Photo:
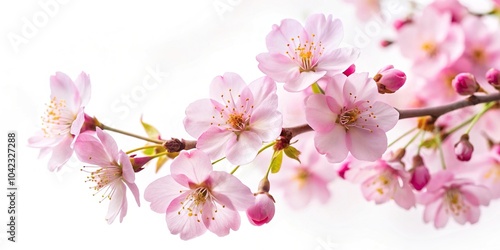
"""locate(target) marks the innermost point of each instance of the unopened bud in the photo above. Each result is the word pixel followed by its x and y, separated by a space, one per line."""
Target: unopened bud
pixel 389 79
pixel 399 23
pixel 465 84
pixel 420 175
pixel 493 78
pixel 350 70
pixel 139 162
pixel 386 43
pixel 464 149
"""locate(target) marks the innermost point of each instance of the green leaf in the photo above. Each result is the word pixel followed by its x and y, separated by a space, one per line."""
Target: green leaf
pixel 276 161
pixel 160 162
pixel 152 132
pixel 292 153
pixel 429 143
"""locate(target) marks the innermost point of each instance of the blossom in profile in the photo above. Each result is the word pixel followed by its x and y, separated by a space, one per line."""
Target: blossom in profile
pixel 63 119
pixel 196 198
pixel 237 118
pixel 431 41
pixel 111 171
pixel 447 196
pixel 348 118
pixel 382 181
pixel 301 55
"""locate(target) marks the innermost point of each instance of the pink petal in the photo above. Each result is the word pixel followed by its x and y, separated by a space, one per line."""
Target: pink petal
pixel 162 192
pixel 428 197
pixel 230 85
pixel 77 124
pixel 318 113
pixel 298 195
pixel 386 117
pixel 127 169
pixel 63 88
pixel 61 154
pixel 179 222
pixel 454 44
pixel 404 196
pixel 213 141
pixel 124 209
pixel 242 149
pixel 262 89
pixel 135 191
pixel 360 86
pixel 277 66
pixel 266 123
pixel 90 150
pixel 200 115
pixel 476 195
pixel 303 80
pixel 366 145
pixel 39 140
pixel 108 143
pixel 431 210
pixel 332 144
pixel 82 83
pixel 329 32
pixel 116 203
pixel 281 35
pixel 320 188
pixel 473 214
pixel 222 221
pixel 191 167
pixel 438 180
pixel 335 86
pixel 441 217
pixel 227 185
pixel 337 61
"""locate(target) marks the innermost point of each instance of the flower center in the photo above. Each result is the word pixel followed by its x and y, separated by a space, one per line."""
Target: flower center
pixel 236 121
pixel 478 55
pixel 58 119
pixel 493 173
pixel 193 204
pixel 348 117
pixel 302 176
pixel 103 178
pixel 430 48
pixel 305 52
pixel 455 202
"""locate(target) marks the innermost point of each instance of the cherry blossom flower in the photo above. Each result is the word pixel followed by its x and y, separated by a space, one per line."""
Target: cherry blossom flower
pixel 447 196
pixel 347 118
pixel 300 55
pixel 236 119
pixel 196 198
pixel 63 118
pixel 457 10
pixel 382 181
pixel 488 167
pixel 432 41
pixel 113 171
pixel 302 183
pixel 483 48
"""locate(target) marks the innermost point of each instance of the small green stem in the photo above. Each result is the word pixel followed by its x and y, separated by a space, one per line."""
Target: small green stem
pixel 217 161
pixel 421 143
pixel 437 138
pixel 412 139
pixel 105 127
pixel 234 170
pixel 401 137
pixel 141 148
pixel 479 115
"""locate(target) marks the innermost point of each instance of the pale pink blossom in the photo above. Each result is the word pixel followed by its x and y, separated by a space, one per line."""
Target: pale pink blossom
pixel 300 55
pixel 262 211
pixel 488 167
pixel 382 181
pixel 447 196
pixel 365 9
pixel 431 41
pixel 307 181
pixel 457 10
pixel 63 119
pixel 237 118
pixel 196 198
pixel 113 171
pixel 482 46
pixel 348 118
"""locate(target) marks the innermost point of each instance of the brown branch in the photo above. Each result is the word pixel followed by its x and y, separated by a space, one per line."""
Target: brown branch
pixel 441 110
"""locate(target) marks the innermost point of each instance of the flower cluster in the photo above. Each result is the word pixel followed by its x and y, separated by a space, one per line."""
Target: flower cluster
pixel 447 162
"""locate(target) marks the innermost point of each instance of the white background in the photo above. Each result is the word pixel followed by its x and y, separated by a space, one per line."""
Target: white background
pixel 186 43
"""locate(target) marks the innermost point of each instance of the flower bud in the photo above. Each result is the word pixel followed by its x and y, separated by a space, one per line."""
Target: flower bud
pixel 344 167
pixel 262 211
pixel 493 78
pixel 350 70
pixel 463 148
pixel 139 162
pixel 420 175
pixel 399 23
pixel 389 79
pixel 386 43
pixel 465 84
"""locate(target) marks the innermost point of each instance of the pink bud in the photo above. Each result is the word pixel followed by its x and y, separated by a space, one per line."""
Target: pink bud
pixel 420 175
pixel 343 169
pixel 493 77
pixel 262 211
pixel 89 123
pixel 385 43
pixel 465 84
pixel 464 149
pixel 398 24
pixel 350 70
pixel 139 162
pixel 389 79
